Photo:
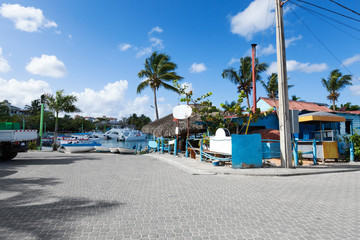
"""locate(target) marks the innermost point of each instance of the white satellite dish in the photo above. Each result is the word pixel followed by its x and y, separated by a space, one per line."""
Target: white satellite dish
pixel 182 111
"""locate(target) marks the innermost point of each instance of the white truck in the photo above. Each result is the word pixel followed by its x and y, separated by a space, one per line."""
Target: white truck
pixel 14 141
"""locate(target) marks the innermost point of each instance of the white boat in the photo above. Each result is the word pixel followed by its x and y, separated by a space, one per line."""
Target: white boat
pixel 114 133
pixel 126 150
pixel 114 150
pixel 102 149
pixel 125 134
pixel 79 147
pixel 132 135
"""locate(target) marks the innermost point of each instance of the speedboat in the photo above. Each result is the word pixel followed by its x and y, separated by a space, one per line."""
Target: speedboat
pixel 132 135
pixel 114 133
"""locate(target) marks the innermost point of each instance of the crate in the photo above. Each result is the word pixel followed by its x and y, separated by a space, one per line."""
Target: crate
pixel 5 125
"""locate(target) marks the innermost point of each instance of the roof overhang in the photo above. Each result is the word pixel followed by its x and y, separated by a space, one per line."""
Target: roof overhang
pixel 321 119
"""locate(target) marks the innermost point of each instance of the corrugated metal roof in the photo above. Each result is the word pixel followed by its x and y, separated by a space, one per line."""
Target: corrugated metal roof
pixel 299 105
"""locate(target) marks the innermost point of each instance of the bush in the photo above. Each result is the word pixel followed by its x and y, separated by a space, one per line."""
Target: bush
pixel 32 145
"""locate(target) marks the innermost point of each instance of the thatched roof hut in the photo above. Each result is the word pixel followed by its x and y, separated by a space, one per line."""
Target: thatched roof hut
pixel 165 127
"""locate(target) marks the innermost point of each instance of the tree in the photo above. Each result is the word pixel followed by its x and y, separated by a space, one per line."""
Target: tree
pixel 294 98
pixel 58 104
pixel 335 82
pixel 34 108
pixel 348 107
pixel 272 86
pixel 4 112
pixel 243 77
pixel 158 70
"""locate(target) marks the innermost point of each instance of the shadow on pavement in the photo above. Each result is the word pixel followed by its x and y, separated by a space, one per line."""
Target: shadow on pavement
pixel 26 210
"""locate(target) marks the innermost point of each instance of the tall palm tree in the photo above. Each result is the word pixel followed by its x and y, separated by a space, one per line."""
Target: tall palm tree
pixel 158 70
pixel 60 103
pixel 243 77
pixel 272 86
pixel 335 82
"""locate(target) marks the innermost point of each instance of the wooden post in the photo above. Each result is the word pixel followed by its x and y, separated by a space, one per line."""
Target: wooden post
pixel 284 116
pixel 253 46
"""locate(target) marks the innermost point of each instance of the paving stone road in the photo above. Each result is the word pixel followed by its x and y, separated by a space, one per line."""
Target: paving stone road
pixel 107 196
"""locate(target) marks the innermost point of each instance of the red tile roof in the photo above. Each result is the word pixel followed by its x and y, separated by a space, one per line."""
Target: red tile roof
pixel 351 112
pixel 298 105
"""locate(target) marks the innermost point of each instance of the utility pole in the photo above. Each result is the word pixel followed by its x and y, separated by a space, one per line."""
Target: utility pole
pixel 284 116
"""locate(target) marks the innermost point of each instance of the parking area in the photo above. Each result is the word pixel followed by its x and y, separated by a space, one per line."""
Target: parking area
pixel 51 195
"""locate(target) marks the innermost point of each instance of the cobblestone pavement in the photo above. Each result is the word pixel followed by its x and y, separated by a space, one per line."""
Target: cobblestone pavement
pixel 106 196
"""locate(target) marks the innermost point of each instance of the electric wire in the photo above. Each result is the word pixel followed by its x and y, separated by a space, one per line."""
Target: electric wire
pixel 315 13
pixel 340 14
pixel 317 38
pixel 267 13
pixel 345 7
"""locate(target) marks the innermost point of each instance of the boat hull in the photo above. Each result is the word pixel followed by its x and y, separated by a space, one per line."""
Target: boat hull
pixel 75 148
pixel 126 150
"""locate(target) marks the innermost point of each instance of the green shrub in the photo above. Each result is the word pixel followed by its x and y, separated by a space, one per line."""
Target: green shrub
pixel 32 145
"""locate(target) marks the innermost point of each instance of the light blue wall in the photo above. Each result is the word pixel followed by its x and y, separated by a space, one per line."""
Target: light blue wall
pixel 355 122
pixel 263 105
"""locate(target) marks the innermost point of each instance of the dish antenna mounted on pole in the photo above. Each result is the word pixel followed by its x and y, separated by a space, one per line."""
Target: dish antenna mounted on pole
pixel 284 116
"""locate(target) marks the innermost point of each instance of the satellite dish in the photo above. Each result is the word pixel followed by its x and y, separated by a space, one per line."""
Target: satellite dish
pixel 182 111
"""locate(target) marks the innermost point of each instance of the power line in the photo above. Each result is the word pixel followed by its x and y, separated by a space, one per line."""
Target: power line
pixel 332 54
pixel 315 13
pixel 358 20
pixel 345 7
pixel 267 13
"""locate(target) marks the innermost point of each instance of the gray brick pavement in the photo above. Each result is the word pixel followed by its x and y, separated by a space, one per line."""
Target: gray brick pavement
pixel 106 196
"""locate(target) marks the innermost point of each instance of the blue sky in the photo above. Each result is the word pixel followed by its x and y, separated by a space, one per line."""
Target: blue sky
pixel 94 49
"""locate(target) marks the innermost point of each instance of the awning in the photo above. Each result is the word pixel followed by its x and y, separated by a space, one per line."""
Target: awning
pixel 320 117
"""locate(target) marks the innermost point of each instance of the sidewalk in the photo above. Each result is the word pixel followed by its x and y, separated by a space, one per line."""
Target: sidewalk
pixel 196 167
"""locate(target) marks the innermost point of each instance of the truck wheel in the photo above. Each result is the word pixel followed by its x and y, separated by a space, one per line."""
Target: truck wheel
pixel 7 156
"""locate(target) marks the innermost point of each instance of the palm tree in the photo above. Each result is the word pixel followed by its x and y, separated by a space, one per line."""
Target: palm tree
pixel 158 70
pixel 294 98
pixel 60 103
pixel 243 77
pixel 335 82
pixel 272 86
pixel 34 108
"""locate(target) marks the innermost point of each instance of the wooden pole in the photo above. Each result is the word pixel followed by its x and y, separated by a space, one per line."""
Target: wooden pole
pixel 284 123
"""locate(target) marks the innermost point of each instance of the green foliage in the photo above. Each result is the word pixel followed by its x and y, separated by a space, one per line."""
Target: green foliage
pixel 4 112
pixel 32 146
pixel 348 107
pixel 34 108
pixel 334 83
pixel 137 122
pixel 355 138
pixel 243 77
pixel 158 71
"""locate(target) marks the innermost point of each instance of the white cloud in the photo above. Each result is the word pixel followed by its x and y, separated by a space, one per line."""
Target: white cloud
pixel 156 29
pixel 351 60
pixel 107 101
pixel 252 19
pixel 290 41
pixel 156 42
pixel 124 46
pixel 293 65
pixel 161 99
pixel 21 93
pixel 4 65
pixel 267 51
pixel 355 89
pixel 46 65
pixel 197 68
pixel 233 60
pixel 143 51
pixel 27 19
